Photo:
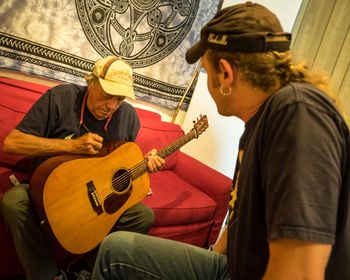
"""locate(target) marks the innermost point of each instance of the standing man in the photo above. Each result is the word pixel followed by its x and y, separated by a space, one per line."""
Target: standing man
pixel 289 210
pixel 72 119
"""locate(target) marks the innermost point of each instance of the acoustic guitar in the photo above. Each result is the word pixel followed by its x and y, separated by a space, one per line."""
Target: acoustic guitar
pixel 78 199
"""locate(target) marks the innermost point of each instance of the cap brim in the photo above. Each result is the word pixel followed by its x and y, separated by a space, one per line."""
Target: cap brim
pixel 195 52
pixel 119 89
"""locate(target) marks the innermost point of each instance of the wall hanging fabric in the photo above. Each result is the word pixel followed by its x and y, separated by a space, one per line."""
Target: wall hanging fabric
pixel 62 39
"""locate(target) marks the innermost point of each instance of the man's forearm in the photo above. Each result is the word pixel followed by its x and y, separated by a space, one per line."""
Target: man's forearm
pixel 30 145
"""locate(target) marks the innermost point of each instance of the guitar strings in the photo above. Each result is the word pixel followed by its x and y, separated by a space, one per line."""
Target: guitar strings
pixel 138 169
pixel 130 174
pixel 123 180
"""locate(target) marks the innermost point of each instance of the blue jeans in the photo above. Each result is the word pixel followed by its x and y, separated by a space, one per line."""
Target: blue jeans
pixel 31 244
pixel 126 255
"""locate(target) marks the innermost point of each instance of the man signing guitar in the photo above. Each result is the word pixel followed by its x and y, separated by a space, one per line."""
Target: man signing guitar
pixel 72 119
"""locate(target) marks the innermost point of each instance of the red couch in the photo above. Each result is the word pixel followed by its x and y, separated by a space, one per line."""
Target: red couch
pixel 189 198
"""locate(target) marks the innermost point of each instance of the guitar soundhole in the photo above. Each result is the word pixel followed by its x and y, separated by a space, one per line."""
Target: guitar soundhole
pixel 121 180
pixel 121 183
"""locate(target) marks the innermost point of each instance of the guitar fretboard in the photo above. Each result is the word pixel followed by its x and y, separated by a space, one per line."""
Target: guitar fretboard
pixel 140 168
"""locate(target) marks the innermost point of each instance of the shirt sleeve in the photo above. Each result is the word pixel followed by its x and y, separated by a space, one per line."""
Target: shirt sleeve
pixel 135 126
pixel 36 121
pixel 301 174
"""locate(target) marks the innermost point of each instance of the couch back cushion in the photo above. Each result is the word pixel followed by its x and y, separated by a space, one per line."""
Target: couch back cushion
pixel 157 134
pixel 145 114
pixel 16 98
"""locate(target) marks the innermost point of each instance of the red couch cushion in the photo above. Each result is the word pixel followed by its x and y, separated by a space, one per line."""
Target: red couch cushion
pixel 9 119
pixel 12 110
pixel 23 94
pixel 32 87
pixel 145 115
pixel 156 134
pixel 178 206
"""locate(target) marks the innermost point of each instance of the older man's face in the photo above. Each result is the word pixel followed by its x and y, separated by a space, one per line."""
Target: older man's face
pixel 100 104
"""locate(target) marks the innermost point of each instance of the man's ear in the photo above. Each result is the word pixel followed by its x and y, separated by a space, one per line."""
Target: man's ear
pixel 227 72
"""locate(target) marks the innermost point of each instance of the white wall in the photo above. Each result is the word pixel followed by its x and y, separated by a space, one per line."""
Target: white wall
pixel 218 146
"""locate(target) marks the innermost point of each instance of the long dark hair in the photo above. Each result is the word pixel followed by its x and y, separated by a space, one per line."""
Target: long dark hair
pixel 270 69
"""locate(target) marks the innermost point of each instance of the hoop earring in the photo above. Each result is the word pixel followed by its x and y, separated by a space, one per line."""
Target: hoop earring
pixel 225 90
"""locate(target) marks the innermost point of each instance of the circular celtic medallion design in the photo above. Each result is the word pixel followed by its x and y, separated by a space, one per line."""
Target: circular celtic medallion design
pixel 141 31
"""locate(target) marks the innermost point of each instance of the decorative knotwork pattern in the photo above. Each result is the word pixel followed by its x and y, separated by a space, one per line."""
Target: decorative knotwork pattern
pixel 141 31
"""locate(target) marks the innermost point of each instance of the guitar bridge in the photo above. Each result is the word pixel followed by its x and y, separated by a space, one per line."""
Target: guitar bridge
pixel 94 200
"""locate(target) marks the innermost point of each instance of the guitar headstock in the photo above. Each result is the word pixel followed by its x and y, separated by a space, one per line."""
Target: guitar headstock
pixel 200 125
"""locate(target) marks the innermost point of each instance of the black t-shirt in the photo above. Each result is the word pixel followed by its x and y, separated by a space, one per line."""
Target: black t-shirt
pixel 57 115
pixel 292 181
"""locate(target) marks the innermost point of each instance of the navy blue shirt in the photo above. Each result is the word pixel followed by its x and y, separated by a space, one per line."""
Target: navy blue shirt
pixel 57 115
pixel 293 181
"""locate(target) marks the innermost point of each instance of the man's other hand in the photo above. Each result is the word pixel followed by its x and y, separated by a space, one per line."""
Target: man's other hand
pixel 155 162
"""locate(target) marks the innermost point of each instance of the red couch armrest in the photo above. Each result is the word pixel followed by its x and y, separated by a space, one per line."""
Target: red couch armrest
pixel 205 178
pixel 210 181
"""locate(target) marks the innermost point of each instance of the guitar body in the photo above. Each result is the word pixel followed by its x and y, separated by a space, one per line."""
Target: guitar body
pixel 78 199
pixel 81 198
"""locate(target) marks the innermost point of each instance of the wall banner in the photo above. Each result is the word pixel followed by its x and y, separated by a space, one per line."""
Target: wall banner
pixel 61 40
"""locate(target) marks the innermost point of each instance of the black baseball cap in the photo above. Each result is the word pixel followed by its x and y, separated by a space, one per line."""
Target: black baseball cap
pixel 247 28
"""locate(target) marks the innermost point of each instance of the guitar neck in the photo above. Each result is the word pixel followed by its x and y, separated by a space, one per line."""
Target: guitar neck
pixel 168 150
pixel 141 167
